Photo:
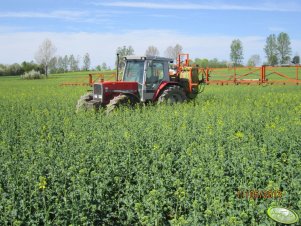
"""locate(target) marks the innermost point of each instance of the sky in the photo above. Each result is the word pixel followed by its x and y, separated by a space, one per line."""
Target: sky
pixel 205 29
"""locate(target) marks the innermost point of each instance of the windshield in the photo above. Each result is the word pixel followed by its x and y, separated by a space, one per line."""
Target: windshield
pixel 134 71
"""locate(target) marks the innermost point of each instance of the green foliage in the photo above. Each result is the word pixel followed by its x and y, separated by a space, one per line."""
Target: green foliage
pixel 278 49
pixel 86 62
pixel 296 59
pixel 17 69
pixel 213 63
pixel 236 54
pixel 270 50
pixel 254 60
pixel 155 165
pixel 284 48
pixel 29 66
pixel 13 69
pixel 102 67
pixel 123 51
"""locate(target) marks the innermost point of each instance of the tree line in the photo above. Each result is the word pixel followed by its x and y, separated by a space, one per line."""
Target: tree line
pixel 277 50
pixel 57 64
pixel 19 69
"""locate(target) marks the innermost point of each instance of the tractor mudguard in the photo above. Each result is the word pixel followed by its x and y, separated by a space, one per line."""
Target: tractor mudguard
pixel 162 87
pixel 132 96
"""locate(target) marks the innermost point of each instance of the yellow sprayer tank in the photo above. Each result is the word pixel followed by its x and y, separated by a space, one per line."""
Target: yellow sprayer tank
pixel 189 78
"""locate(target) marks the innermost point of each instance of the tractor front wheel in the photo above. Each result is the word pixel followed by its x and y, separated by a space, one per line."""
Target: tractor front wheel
pixel 172 94
pixel 121 100
pixel 82 103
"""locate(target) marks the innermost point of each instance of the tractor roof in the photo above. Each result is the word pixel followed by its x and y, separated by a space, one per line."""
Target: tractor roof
pixel 132 57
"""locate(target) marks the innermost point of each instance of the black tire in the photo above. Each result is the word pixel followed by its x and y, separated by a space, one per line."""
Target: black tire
pixel 121 100
pixel 172 94
pixel 82 102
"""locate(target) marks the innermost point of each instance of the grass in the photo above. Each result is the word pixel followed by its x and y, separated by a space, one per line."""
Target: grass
pixel 155 165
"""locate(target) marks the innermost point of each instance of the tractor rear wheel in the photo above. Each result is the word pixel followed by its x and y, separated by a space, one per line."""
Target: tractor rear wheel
pixel 172 94
pixel 121 100
pixel 82 103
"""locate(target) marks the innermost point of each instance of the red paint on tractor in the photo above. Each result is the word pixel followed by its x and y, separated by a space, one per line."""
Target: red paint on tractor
pixel 161 87
pixel 112 89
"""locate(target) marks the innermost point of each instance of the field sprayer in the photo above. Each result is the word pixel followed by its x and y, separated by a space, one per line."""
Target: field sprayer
pixel 146 79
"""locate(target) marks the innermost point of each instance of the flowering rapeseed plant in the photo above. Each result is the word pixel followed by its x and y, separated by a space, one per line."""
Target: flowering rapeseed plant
pixel 42 183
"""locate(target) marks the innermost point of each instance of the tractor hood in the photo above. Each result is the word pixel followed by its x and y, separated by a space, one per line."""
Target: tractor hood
pixel 120 86
pixel 106 91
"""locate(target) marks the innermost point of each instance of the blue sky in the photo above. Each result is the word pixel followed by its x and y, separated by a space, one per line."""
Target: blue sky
pixel 205 29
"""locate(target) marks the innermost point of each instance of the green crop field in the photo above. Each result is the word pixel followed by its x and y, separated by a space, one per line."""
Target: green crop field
pixel 222 159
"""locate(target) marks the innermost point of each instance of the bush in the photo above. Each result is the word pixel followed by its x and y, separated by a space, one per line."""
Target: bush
pixel 32 75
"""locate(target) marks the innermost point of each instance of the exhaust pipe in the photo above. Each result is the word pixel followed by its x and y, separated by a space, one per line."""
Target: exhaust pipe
pixel 117 71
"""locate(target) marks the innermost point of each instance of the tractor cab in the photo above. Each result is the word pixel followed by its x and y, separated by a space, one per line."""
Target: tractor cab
pixel 148 72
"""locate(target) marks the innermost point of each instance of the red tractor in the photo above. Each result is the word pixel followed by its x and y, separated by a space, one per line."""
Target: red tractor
pixel 145 79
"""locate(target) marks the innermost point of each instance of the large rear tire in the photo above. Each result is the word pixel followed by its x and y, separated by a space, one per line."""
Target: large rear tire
pixel 82 103
pixel 172 95
pixel 121 100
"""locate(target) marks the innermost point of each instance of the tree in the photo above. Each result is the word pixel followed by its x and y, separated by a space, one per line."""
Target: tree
pixel 53 65
pixel 202 62
pixel 123 51
pixel 236 54
pixel 74 63
pixel 271 50
pixel 283 47
pixel 14 69
pixel 2 69
pixel 78 63
pixel 45 53
pixel 254 60
pixel 169 52
pixel 215 63
pixel 173 52
pixel 87 62
pixel 98 68
pixel 65 63
pixel 152 51
pixel 104 66
pixel 29 66
pixel 60 64
pixel 296 59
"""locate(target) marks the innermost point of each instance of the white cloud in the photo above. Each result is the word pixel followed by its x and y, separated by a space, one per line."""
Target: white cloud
pixel 200 6
pixel 58 14
pixel 95 17
pixel 17 47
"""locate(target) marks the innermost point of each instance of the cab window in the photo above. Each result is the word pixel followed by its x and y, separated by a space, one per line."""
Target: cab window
pixel 155 74
pixel 134 71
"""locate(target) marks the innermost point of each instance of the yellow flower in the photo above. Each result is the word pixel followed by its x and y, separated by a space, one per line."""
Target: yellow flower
pixel 42 183
pixel 239 134
pixel 156 147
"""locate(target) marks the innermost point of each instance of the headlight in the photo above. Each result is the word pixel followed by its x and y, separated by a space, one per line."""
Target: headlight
pixel 96 96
